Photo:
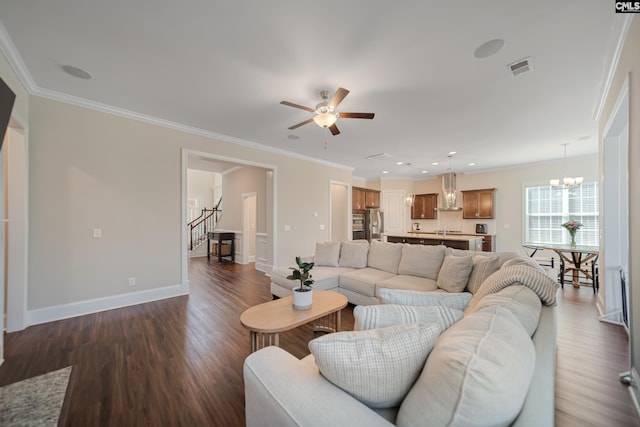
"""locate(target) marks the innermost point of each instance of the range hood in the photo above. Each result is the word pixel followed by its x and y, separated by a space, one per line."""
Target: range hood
pixel 449 193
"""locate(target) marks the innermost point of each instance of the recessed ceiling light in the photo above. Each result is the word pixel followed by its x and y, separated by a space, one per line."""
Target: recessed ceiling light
pixel 385 171
pixel 398 163
pixel 425 172
pixel 434 164
pixel 472 164
pixel 451 153
pixel 77 72
pixel 292 136
pixel 489 48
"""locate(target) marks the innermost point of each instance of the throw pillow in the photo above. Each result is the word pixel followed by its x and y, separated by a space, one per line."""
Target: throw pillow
pixel 383 315
pixel 327 254
pixel 424 299
pixel 483 267
pixel 478 374
pixel 379 366
pixel 385 256
pixel 454 273
pixel 421 260
pixel 354 254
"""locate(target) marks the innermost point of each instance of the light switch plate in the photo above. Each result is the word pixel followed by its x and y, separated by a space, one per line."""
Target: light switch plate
pixel 97 233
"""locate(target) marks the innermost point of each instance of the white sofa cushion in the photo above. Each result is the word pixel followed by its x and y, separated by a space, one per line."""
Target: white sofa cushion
pixel 324 278
pixel 421 260
pixel 327 254
pixel 412 283
pixel 454 273
pixel 383 315
pixel 483 267
pixel 457 301
pixel 384 256
pixel 364 281
pixel 477 374
pixel 379 366
pixel 354 254
pixel 504 256
pixel 520 300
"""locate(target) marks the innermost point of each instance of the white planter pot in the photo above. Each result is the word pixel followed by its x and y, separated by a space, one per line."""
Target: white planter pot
pixel 302 299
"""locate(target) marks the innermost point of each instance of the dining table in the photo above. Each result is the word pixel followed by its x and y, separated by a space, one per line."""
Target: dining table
pixel 573 259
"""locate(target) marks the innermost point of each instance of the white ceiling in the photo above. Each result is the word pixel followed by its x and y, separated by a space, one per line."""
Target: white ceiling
pixel 223 67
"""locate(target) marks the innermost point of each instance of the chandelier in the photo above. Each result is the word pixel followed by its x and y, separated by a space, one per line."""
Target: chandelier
pixel 567 181
pixel 450 191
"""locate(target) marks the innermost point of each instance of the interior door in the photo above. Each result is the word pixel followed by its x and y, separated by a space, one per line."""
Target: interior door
pixel 395 211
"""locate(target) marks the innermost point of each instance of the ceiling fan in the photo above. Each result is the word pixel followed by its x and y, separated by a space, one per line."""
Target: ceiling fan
pixel 326 114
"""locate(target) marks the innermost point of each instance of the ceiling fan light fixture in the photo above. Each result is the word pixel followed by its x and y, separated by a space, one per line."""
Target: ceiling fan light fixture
pixel 325 120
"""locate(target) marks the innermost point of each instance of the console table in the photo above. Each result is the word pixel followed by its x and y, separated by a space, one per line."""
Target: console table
pixel 222 238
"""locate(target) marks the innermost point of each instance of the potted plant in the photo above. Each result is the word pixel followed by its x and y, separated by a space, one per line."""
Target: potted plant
pixel 302 296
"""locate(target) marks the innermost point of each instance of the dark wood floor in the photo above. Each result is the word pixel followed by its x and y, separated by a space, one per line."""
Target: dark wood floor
pixel 179 361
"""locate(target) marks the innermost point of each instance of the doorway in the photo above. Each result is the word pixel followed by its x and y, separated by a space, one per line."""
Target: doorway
pixel 268 237
pixel 249 218
pixel 615 215
pixel 340 211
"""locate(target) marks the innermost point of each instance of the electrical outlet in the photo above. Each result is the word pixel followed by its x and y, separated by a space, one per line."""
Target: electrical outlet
pixel 132 281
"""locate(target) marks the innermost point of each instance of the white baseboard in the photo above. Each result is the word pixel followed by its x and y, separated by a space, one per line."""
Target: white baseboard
pixel 263 266
pixel 80 308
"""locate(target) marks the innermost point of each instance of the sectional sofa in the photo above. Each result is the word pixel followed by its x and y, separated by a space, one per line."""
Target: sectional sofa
pixel 358 269
pixel 483 355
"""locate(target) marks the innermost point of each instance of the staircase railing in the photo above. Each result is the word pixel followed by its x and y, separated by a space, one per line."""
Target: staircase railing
pixel 200 226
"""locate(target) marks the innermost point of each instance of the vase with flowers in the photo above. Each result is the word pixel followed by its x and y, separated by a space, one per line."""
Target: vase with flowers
pixel 572 227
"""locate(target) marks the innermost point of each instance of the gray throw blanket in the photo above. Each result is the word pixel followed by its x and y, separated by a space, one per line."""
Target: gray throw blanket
pixel 519 274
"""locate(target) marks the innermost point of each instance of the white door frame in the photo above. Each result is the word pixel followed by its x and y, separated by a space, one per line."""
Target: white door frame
pixel 247 234
pixel 17 244
pixel 614 210
pixel 184 253
pixel 347 212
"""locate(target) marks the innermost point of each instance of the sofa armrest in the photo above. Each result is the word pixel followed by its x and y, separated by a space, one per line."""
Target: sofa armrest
pixel 280 390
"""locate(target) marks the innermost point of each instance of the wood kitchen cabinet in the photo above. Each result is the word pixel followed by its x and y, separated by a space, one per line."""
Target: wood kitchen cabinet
pixel 372 199
pixel 363 198
pixel 357 199
pixel 478 204
pixel 424 206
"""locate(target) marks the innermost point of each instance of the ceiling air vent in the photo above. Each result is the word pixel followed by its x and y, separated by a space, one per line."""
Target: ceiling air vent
pixel 521 66
pixel 379 156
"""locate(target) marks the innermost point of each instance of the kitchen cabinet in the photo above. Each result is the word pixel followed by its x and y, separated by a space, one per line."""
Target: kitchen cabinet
pixel 424 206
pixel 357 199
pixel 372 199
pixel 478 204
pixel 363 198
pixel 488 243
pixel 473 243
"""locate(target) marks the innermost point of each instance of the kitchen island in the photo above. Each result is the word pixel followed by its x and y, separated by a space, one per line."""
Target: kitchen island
pixel 456 241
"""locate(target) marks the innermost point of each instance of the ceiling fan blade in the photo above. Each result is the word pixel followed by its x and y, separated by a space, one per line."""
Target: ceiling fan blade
pixel 301 124
pixel 338 97
pixel 334 129
pixel 302 107
pixel 356 115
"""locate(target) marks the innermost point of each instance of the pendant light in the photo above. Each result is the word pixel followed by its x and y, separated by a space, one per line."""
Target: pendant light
pixel 567 181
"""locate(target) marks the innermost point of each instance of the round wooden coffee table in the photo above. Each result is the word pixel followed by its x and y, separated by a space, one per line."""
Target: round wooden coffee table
pixel 266 321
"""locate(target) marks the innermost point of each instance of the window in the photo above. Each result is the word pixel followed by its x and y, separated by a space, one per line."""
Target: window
pixel 547 208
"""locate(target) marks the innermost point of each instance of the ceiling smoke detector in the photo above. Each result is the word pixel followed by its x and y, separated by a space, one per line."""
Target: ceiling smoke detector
pixel 520 67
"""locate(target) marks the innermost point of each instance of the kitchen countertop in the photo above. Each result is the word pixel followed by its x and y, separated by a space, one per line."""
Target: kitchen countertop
pixel 452 234
pixel 452 237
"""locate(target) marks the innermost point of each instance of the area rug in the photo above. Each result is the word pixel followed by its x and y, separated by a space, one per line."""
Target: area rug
pixel 35 401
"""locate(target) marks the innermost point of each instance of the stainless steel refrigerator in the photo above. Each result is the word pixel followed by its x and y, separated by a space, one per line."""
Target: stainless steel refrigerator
pixel 373 224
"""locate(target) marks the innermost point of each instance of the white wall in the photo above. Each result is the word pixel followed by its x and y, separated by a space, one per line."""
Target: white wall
pixel 94 170
pixel 200 187
pixel 245 179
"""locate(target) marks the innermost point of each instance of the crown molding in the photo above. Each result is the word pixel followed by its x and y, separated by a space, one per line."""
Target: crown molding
pixel 618 36
pixel 17 64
